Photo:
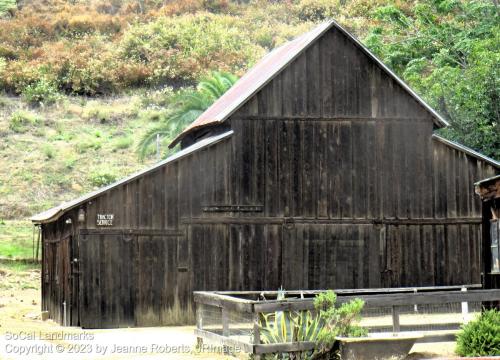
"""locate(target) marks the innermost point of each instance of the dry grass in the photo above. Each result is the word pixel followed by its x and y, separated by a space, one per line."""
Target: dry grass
pixel 52 162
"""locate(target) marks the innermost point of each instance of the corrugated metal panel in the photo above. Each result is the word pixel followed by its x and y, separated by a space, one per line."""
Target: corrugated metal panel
pixel 54 213
pixel 266 69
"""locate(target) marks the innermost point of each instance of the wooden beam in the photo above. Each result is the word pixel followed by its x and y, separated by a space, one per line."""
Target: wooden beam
pixel 284 347
pixel 352 291
pixel 223 301
pixel 379 300
pixel 346 221
pixel 489 190
pixel 306 117
pixel 233 343
pixel 143 232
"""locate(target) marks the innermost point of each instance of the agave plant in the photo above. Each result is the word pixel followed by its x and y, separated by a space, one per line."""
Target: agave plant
pixel 186 107
pixel 290 326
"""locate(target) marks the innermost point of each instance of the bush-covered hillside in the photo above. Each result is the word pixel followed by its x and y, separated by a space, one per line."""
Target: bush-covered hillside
pixel 81 80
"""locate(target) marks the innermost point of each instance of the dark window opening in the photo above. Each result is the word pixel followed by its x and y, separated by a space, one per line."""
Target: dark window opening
pixel 495 250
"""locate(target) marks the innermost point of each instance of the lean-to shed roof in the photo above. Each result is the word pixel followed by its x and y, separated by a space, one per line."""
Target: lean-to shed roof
pixel 270 66
pixel 54 213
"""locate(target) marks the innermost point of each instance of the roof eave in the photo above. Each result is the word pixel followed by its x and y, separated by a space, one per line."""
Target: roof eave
pixel 467 150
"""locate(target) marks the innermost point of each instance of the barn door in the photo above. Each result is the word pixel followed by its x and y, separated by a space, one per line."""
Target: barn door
pixel 64 278
pixel 106 292
pixel 329 256
pixel 130 279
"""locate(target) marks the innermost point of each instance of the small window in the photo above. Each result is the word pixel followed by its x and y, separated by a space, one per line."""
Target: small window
pixel 495 250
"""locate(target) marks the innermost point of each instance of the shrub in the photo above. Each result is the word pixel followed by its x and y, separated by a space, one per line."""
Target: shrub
pixel 480 337
pixel 70 162
pixel 42 92
pixel 87 22
pixel 123 143
pixel 99 113
pixel 317 10
pixel 49 151
pixel 87 143
pixel 21 120
pixel 187 47
pixel 6 6
pixel 101 178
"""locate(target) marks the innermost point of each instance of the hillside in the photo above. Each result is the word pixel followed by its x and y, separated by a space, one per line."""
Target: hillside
pixel 81 81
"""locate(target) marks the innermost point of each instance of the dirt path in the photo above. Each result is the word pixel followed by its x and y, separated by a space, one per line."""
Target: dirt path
pixel 23 335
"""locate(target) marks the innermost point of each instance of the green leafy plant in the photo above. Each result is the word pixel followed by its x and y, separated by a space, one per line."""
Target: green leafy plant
pixel 187 106
pixel 21 120
pixel 480 337
pixel 286 326
pixel 49 151
pixel 7 5
pixel 123 143
pixel 448 52
pixel 317 10
pixel 43 92
pixel 101 178
pixel 338 320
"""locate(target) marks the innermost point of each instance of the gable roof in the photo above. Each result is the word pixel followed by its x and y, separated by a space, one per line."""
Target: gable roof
pixel 54 213
pixel 270 66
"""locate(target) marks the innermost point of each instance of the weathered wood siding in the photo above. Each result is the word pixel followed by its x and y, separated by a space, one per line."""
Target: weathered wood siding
pixel 56 273
pixel 332 179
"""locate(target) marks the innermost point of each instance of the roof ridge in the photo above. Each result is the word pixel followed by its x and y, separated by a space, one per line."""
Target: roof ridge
pixel 271 65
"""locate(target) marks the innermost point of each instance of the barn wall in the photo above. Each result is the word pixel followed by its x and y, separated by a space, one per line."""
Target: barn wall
pixel 57 252
pixel 333 78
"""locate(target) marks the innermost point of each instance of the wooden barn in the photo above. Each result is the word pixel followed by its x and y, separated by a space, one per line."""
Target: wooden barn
pixel 489 191
pixel 318 169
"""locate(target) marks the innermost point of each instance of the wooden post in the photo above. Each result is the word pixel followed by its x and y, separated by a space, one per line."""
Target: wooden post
pixel 225 322
pixel 395 319
pixel 256 334
pixel 39 235
pixel 465 309
pixel 199 324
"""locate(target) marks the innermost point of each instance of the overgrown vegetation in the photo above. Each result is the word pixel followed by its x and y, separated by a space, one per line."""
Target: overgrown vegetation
pixel 16 240
pixel 321 326
pixel 480 337
pixel 449 51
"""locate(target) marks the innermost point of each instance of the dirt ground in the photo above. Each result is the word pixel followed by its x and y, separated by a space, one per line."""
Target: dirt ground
pixel 23 335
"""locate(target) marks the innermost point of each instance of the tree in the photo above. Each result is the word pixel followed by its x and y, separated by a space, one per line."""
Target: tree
pixel 186 107
pixel 448 51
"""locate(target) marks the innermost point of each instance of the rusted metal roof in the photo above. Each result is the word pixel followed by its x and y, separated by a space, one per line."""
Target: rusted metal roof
pixel 270 66
pixel 54 213
pixel 467 150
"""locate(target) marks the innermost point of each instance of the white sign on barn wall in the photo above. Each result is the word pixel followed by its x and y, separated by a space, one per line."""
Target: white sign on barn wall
pixel 105 219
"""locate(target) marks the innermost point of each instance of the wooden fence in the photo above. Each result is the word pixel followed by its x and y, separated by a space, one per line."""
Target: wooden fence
pixel 249 304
